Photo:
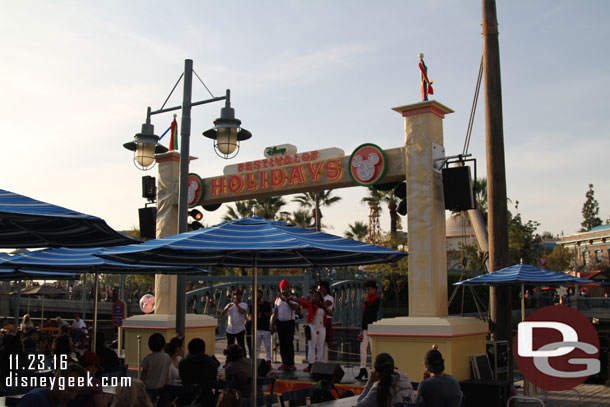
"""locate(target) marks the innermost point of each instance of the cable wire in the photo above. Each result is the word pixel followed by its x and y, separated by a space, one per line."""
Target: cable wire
pixel 173 89
pixel 206 88
pixel 473 109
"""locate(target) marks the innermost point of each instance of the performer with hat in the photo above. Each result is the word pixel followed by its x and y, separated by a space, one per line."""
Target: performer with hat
pixel 236 325
pixel 283 318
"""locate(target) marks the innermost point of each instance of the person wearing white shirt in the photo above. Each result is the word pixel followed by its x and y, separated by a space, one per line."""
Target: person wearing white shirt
pixel 283 321
pixel 236 325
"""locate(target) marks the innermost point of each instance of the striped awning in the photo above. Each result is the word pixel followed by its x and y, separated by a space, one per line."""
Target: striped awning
pixel 28 223
pixel 84 261
pixel 240 242
pixel 523 274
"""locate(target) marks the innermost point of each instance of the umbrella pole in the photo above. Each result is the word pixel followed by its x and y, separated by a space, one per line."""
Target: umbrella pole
pixel 42 314
pixel 17 307
pixel 254 356
pixel 44 282
pixel 95 312
pixel 522 302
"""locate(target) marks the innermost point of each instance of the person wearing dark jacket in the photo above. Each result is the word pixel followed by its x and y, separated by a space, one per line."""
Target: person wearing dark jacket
pixel 198 373
pixel 369 315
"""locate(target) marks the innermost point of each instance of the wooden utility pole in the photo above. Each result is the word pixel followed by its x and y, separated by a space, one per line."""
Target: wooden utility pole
pixel 500 305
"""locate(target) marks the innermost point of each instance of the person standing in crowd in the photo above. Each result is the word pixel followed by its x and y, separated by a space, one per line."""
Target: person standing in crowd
pixel 197 369
pixel 385 387
pixel 236 324
pixel 329 302
pixel 155 366
pixel 263 329
pixel 316 313
pixel 438 388
pixel 283 318
pixel 369 315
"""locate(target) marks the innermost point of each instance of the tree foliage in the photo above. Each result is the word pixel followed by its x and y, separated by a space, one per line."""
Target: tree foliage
pixel 316 200
pixel 590 211
pixel 302 219
pixel 559 259
pixel 357 231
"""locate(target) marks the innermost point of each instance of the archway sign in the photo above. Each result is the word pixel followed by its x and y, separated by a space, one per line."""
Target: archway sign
pixel 284 171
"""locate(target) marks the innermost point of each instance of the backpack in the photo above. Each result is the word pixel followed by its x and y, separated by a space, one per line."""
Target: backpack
pixel 322 391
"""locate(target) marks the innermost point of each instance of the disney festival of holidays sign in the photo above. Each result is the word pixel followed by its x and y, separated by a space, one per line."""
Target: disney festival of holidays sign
pixel 285 171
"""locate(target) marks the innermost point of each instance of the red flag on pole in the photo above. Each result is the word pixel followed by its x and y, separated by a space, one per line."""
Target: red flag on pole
pixel 173 141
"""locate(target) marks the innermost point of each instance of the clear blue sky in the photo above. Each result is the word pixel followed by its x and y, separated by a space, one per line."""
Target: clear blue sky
pixel 76 78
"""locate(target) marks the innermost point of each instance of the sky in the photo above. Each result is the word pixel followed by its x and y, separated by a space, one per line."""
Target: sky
pixel 76 79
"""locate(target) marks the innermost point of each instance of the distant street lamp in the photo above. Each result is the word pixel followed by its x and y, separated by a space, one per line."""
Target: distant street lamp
pixel 227 134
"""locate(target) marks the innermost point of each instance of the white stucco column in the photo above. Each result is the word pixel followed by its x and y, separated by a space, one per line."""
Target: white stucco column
pixel 425 209
pixel 167 225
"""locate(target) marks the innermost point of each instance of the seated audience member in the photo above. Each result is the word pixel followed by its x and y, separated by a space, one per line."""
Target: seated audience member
pixel 440 389
pixel 90 396
pixel 62 345
pixel 58 395
pixel 155 366
pixel 385 387
pixel 26 323
pixel 175 349
pixel 30 342
pixel 79 328
pixel 198 372
pixel 132 396
pixel 238 372
pixel 230 398
pixel 108 358
pixel 173 389
pixel 12 350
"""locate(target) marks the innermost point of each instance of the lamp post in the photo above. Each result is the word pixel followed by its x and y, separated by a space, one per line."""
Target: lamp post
pixel 227 134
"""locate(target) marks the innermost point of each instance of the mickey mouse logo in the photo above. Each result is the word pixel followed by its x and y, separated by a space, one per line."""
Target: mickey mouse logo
pixel 365 169
pixel 195 190
pixel 367 164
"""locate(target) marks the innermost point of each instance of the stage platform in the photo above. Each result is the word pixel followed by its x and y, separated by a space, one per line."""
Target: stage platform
pixel 298 379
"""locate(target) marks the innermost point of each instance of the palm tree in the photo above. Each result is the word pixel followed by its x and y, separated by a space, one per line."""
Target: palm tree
pixel 303 219
pixel 480 195
pixel 242 209
pixel 357 231
pixel 316 200
pixel 375 198
pixel 270 208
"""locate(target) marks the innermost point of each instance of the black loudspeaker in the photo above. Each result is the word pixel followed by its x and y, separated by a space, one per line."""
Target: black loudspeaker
pixel 149 188
pixel 327 371
pixel 148 222
pixel 485 393
pixel 262 367
pixel 457 188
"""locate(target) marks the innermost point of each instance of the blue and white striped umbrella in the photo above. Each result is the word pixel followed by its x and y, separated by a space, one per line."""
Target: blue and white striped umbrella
pixel 239 243
pixel 523 274
pixel 253 242
pixel 28 223
pixel 83 261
